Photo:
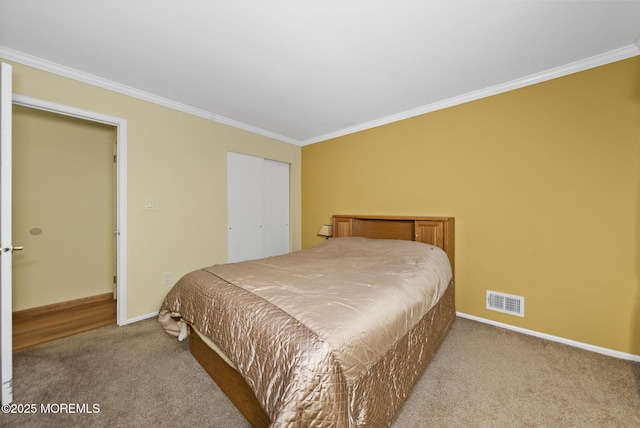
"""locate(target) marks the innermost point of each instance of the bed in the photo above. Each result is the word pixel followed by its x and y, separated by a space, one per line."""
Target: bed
pixel 332 335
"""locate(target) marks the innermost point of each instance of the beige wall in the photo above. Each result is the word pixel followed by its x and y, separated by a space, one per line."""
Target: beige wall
pixel 63 185
pixel 179 161
pixel 544 183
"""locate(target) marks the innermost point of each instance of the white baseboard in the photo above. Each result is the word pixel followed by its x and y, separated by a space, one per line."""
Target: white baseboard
pixel 143 317
pixel 588 347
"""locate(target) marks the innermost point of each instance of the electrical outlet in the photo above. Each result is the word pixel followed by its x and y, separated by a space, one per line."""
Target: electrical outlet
pixel 167 278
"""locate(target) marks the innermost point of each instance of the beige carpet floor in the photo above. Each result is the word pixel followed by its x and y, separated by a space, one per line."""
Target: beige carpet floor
pixel 482 376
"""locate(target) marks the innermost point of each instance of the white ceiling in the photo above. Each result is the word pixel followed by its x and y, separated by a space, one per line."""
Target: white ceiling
pixel 304 71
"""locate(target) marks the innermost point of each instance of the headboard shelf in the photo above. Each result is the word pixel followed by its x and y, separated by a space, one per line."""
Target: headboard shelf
pixel 438 231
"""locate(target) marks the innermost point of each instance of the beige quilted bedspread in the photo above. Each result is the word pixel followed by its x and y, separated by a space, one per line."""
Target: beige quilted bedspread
pixel 323 336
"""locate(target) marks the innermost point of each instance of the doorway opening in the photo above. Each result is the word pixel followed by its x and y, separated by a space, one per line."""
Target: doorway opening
pixel 64 214
pixel 113 196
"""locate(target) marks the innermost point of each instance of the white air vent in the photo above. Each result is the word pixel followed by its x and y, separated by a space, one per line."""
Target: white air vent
pixel 506 303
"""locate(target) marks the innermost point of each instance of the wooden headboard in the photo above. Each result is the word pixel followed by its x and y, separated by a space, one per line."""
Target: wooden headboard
pixel 438 231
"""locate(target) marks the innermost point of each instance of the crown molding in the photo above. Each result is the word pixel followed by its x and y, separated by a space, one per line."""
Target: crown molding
pixel 574 67
pixel 585 64
pixel 60 70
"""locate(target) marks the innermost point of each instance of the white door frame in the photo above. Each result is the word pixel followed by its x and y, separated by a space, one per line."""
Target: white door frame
pixel 121 178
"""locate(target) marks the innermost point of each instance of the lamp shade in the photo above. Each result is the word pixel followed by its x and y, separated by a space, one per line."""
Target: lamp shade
pixel 325 230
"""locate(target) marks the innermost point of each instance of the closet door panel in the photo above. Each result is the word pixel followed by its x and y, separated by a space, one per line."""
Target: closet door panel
pixel 276 208
pixel 245 205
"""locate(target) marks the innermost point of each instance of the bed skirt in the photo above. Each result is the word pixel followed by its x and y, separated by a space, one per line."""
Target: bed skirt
pixel 410 356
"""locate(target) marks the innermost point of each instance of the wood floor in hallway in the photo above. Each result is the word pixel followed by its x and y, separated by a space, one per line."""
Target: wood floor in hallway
pixel 38 325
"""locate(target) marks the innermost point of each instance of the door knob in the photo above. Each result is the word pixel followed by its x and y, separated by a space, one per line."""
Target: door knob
pixel 12 249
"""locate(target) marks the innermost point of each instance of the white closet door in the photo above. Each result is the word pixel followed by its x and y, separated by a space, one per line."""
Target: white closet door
pixel 258 207
pixel 276 208
pixel 245 207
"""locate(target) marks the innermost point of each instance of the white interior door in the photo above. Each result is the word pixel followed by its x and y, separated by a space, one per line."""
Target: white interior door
pixel 6 247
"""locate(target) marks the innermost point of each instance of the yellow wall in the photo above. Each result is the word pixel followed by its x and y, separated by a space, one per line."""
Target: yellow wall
pixel 63 185
pixel 544 183
pixel 179 161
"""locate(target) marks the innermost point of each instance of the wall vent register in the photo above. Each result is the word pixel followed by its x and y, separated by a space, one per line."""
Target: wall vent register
pixel 506 303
